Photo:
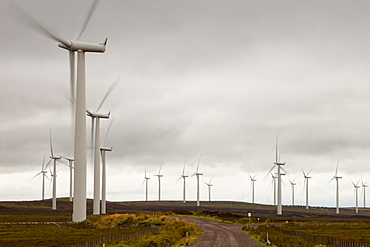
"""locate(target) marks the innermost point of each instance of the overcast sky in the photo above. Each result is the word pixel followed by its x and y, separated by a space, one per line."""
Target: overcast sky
pixel 219 79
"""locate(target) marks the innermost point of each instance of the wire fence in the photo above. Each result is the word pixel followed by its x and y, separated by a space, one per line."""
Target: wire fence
pixel 330 241
pixel 110 238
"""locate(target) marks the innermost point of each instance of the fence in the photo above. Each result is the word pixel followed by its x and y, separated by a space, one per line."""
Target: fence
pixel 105 239
pixel 331 241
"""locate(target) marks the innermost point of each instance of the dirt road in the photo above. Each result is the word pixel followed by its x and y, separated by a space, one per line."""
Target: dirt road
pixel 219 234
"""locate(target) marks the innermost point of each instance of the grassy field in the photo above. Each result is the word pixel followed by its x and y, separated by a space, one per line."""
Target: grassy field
pixel 315 221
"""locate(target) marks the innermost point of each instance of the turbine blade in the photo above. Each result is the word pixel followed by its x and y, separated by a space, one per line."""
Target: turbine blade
pixel 198 163
pixel 114 84
pixel 87 20
pixel 36 175
pixel 276 151
pixel 160 168
pixel 51 144
pixel 336 170
pixel 210 180
pixel 43 163
pixel 72 78
pixel 270 171
pixel 183 169
pixel 106 134
pixel 19 15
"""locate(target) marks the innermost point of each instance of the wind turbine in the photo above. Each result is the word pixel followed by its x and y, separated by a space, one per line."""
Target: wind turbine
pixel 159 175
pixel 306 177
pixel 364 185
pixel 336 177
pixel 293 184
pixel 103 151
pixel 54 174
pixel 197 173
pixel 356 186
pixel 253 179
pixel 78 97
pixel 209 188
pixel 70 165
pixel 279 174
pixel 146 185
pixel 43 173
pixel 183 176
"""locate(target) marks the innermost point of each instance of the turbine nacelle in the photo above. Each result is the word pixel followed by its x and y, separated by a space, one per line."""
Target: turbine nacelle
pixel 106 149
pixel 55 157
pixel 279 163
pixel 85 46
pixel 97 115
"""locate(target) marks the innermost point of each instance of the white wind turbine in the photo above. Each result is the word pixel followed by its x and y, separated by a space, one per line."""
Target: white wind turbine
pixel 183 176
pixel 209 188
pixel 364 185
pixel 356 186
pixel 306 177
pixel 253 179
pixel 43 173
pixel 95 118
pixel 78 98
pixel 293 184
pixel 197 173
pixel 103 151
pixel 279 185
pixel 54 174
pixel 336 177
pixel 159 175
pixel 70 165
pixel 146 180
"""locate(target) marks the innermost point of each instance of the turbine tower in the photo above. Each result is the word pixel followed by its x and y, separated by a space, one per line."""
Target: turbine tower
pixel 78 98
pixel 279 185
pixel 183 176
pixel 95 118
pixel 336 177
pixel 306 177
pixel 209 188
pixel 43 173
pixel 54 175
pixel 356 186
pixel 70 165
pixel 364 185
pixel 197 173
pixel 103 151
pixel 146 185
pixel 293 184
pixel 159 175
pixel 253 179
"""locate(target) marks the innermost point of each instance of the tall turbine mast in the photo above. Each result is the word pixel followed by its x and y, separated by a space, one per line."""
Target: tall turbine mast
pixel 70 165
pixel 43 173
pixel 356 187
pixel 336 177
pixel 146 185
pixel 159 175
pixel 183 176
pixel 306 177
pixel 364 185
pixel 197 173
pixel 293 184
pixel 209 188
pixel 78 97
pixel 253 179
pixel 103 151
pixel 54 175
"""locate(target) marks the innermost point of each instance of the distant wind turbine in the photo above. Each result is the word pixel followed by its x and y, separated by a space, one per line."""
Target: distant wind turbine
pixel 70 165
pixel 53 158
pixel 159 175
pixel 356 187
pixel 293 184
pixel 364 185
pixel 253 179
pixel 209 188
pixel 103 151
pixel 146 185
pixel 183 176
pixel 306 177
pixel 43 173
pixel 336 177
pixel 197 173
pixel 279 185
pixel 274 177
